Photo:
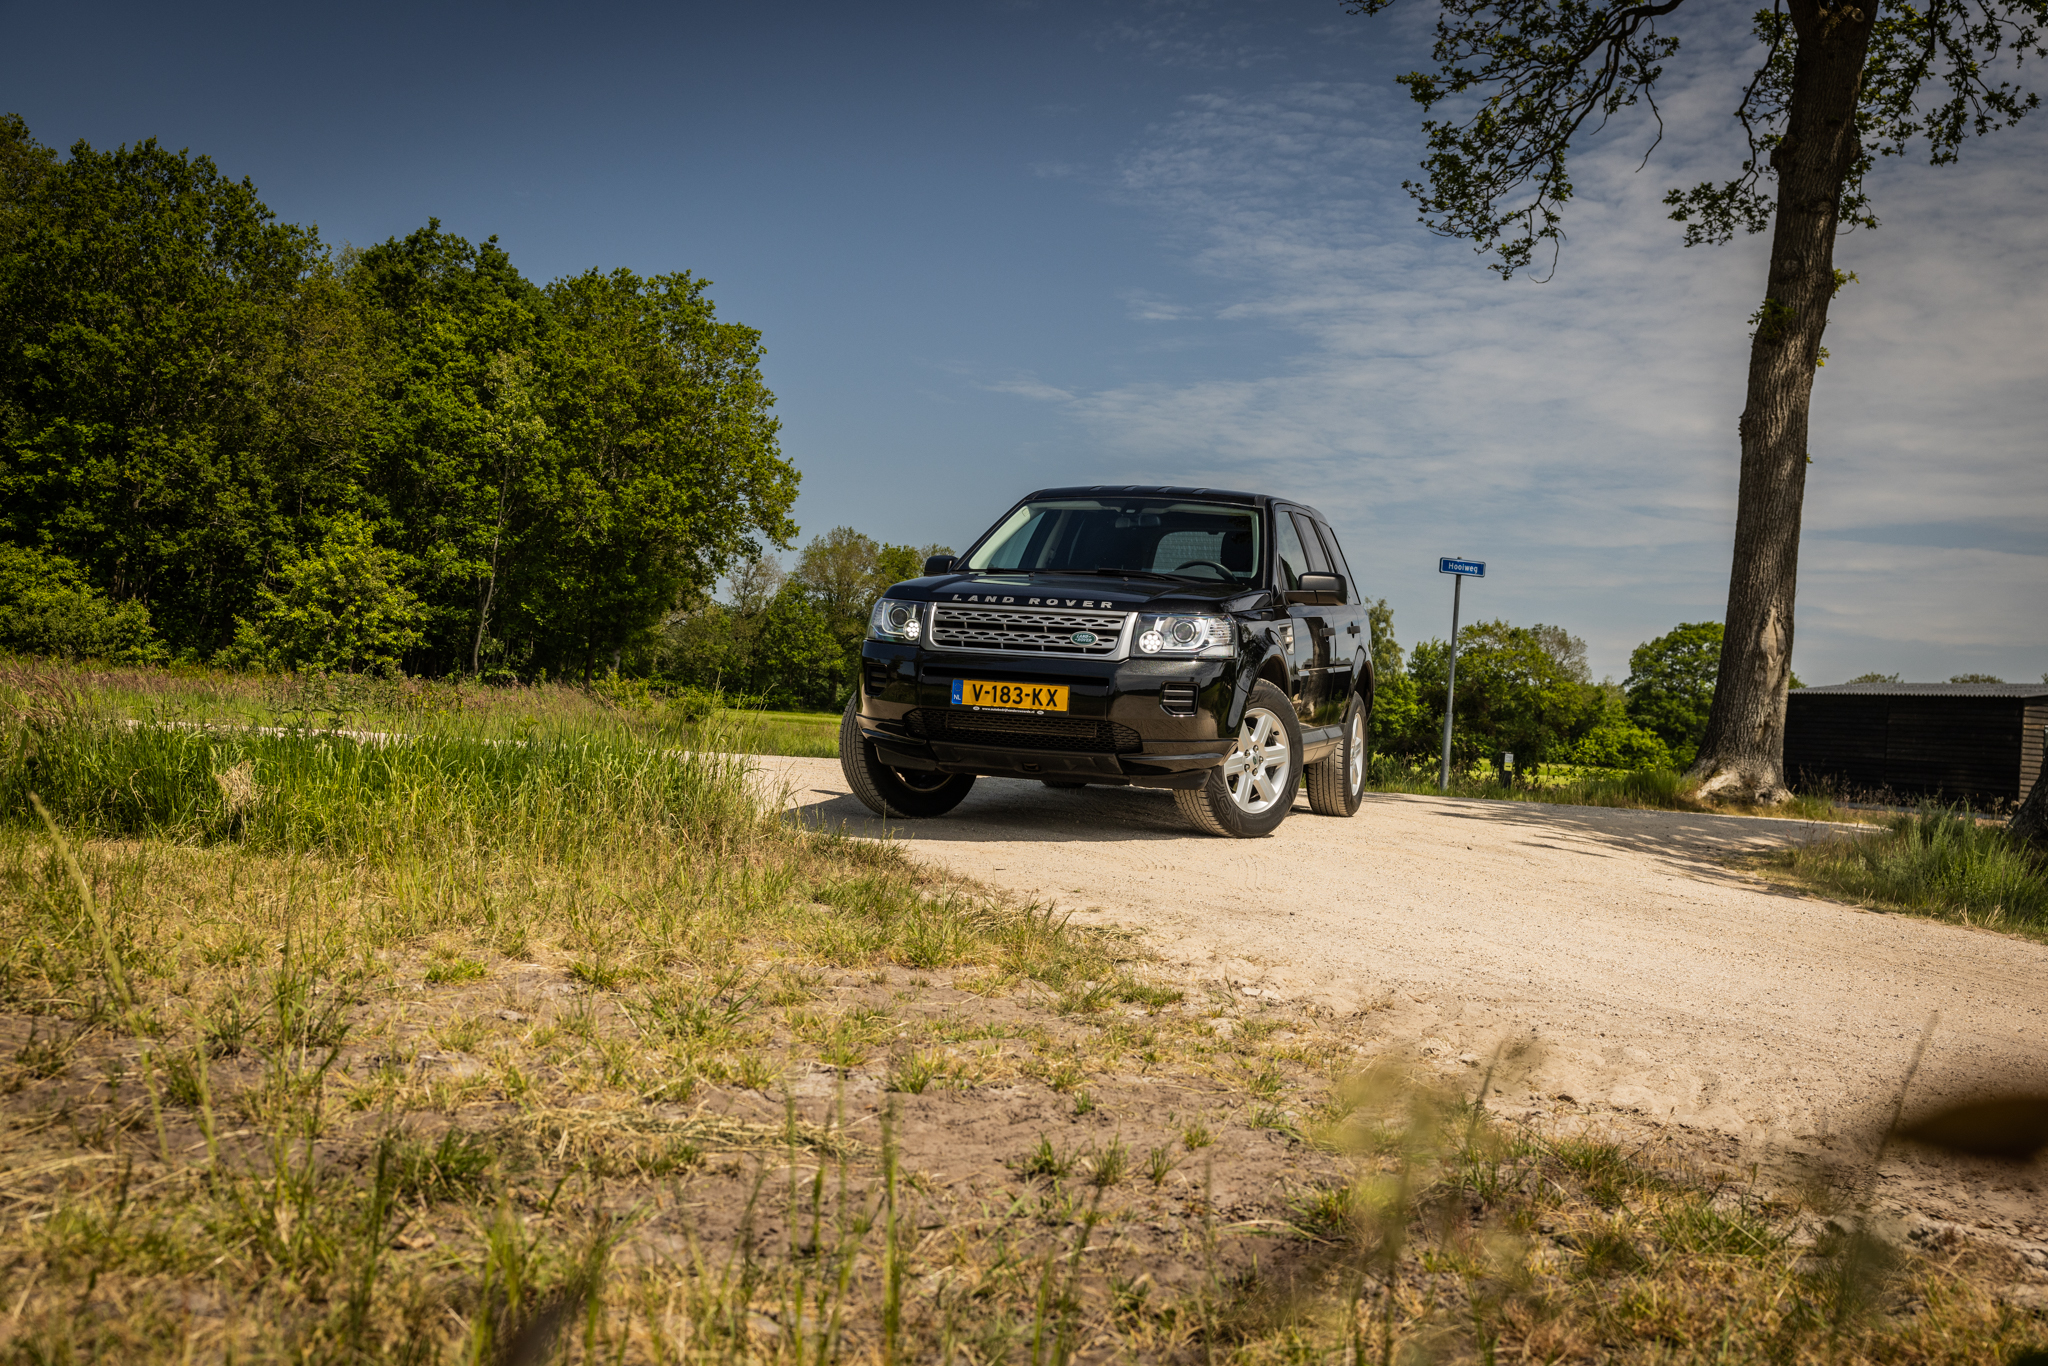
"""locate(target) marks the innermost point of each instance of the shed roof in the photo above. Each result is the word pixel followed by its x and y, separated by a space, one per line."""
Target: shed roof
pixel 2019 690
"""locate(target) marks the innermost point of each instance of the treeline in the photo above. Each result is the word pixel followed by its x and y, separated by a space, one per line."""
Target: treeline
pixel 1527 691
pixel 788 638
pixel 221 440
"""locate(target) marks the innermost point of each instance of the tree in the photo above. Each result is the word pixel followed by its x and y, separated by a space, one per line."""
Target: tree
pixel 1671 685
pixel 1976 678
pixel 1617 740
pixel 1515 696
pixel 337 608
pixel 1875 678
pixel 48 608
pixel 1835 86
pixel 176 379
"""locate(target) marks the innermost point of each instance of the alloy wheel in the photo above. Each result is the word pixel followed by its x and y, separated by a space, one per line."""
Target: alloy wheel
pixel 1255 771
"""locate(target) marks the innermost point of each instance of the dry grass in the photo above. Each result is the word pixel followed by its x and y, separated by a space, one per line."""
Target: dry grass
pixel 315 1050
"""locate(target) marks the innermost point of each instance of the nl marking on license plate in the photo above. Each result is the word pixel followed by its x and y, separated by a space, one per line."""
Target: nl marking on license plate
pixel 971 692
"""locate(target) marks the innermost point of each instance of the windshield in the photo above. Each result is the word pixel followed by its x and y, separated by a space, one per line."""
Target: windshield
pixel 1217 542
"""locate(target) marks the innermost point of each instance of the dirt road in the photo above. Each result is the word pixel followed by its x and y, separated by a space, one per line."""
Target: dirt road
pixel 1650 978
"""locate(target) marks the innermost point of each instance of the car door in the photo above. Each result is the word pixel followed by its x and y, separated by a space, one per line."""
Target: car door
pixel 1349 636
pixel 1293 559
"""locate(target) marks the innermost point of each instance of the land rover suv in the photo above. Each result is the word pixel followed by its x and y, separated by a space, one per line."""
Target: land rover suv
pixel 1208 642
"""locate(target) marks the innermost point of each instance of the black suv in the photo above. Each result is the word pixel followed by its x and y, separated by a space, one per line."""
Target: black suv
pixel 1209 642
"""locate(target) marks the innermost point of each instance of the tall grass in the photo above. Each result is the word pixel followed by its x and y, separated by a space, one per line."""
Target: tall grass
pixel 1653 789
pixel 551 793
pixel 192 695
pixel 1936 862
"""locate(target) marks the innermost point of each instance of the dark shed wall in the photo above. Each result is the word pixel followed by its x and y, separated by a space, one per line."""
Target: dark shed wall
pixel 2032 742
pixel 1838 741
pixel 1957 746
pixel 1954 747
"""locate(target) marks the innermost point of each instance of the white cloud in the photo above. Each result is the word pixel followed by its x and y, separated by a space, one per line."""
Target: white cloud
pixel 1583 430
pixel 1029 386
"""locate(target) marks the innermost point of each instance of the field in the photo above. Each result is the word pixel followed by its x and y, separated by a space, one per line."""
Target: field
pixel 449 1049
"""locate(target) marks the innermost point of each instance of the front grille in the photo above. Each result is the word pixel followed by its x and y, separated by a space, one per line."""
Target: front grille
pixel 1177 699
pixel 1073 734
pixel 1007 630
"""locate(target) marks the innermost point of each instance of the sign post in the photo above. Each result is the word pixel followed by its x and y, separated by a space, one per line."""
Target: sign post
pixel 1458 568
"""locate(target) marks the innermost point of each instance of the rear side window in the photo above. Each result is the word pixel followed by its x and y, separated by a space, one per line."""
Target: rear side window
pixel 1337 562
pixel 1287 550
pixel 1317 561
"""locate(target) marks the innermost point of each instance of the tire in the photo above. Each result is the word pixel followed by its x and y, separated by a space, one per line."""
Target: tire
pixel 1336 785
pixel 1234 802
pixel 910 794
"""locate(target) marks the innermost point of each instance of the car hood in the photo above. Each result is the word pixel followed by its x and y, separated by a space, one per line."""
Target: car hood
pixel 1096 591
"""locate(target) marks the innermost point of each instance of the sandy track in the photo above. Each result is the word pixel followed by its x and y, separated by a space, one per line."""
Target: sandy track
pixel 1651 978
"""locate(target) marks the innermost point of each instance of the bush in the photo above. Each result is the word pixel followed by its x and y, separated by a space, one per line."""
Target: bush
pixel 339 608
pixel 48 608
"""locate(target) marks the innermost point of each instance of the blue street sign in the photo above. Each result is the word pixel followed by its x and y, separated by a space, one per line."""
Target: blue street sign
pixel 1476 568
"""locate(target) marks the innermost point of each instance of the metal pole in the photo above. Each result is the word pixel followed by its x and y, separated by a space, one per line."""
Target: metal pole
pixel 1443 777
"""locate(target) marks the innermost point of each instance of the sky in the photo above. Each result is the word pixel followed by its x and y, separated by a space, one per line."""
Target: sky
pixel 996 245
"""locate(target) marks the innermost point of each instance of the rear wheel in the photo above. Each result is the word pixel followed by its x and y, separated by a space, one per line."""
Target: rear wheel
pixel 905 792
pixel 1336 785
pixel 1252 790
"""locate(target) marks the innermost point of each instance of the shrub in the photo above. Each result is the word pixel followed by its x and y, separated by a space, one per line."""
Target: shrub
pixel 48 608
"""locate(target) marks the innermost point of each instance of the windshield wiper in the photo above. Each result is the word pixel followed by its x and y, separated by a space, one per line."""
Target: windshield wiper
pixel 1130 574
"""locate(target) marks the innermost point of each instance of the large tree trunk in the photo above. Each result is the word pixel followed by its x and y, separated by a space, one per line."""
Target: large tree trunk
pixel 1743 753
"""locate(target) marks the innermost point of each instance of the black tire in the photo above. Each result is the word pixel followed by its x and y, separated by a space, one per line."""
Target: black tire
pixel 1336 785
pixel 1233 802
pixel 910 794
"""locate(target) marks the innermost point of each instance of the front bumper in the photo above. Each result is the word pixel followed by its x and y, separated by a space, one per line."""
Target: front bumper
pixel 1146 723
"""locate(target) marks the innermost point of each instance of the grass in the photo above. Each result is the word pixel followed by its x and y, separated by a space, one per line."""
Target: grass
pixel 1933 862
pixel 1564 784
pixel 194 695
pixel 317 1049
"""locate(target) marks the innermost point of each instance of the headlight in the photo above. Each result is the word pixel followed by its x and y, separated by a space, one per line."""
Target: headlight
pixel 902 622
pixel 1185 635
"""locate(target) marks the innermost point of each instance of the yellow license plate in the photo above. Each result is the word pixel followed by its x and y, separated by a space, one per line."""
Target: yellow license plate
pixel 972 692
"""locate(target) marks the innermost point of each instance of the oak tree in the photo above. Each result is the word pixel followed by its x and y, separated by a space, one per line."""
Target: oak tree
pixel 1835 86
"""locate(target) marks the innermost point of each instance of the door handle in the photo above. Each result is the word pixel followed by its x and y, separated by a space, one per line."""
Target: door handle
pixel 1352 629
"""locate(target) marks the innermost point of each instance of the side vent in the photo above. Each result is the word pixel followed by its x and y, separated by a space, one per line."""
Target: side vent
pixel 878 676
pixel 1177 699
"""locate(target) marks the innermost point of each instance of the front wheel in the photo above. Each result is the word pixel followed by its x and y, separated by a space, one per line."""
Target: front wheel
pixel 1252 790
pixel 909 793
pixel 1336 785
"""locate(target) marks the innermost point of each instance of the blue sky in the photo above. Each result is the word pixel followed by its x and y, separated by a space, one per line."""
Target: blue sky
pixel 996 246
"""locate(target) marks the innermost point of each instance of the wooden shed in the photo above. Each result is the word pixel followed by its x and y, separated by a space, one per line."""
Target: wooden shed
pixel 1956 741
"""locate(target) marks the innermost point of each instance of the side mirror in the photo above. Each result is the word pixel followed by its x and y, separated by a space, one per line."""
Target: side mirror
pixel 1321 589
pixel 939 564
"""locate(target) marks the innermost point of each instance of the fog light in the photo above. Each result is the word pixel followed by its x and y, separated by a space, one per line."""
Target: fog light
pixel 1151 642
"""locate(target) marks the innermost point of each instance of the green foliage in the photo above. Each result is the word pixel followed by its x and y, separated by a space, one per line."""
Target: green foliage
pixel 1544 71
pixel 1976 678
pixel 1671 686
pixel 193 395
pixel 48 608
pixel 339 608
pixel 1875 678
pixel 174 383
pixel 1520 690
pixel 1617 741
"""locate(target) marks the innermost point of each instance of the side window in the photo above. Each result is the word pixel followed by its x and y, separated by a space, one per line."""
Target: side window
pixel 1337 562
pixel 1317 561
pixel 1287 551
